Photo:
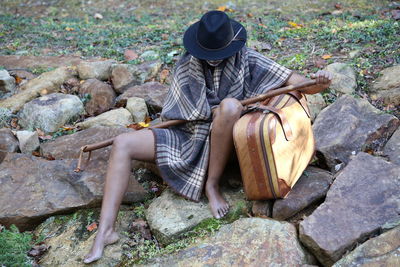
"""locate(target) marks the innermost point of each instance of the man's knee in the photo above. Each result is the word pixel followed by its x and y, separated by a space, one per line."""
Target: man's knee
pixel 230 108
pixel 123 141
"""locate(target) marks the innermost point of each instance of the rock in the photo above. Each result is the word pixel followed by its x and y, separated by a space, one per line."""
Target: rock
pixel 356 207
pixel 259 46
pixel 68 146
pixel 50 112
pixel 113 118
pixel 23 74
pixel 150 55
pixel 137 107
pixel 7 83
pixel 33 188
pixel 153 93
pixel 46 83
pixel 123 75
pixel 344 78
pixel 246 242
pixel 8 142
pixel 70 240
pixel 310 188
pixel 262 208
pixel 28 141
pixel 387 86
pixel 5 117
pixel 170 215
pixel 316 103
pixel 350 125
pixel 100 70
pixel 383 250
pixel 392 147
pixel 102 96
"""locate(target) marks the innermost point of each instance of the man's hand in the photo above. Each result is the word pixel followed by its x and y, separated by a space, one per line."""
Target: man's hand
pixel 323 78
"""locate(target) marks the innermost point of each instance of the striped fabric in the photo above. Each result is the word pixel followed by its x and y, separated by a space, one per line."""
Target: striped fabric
pixel 182 152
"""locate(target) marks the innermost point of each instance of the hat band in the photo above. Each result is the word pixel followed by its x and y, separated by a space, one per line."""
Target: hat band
pixel 225 46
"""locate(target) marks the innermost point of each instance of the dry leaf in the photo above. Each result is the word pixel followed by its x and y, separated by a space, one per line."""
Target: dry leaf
pixel 18 79
pixel 225 9
pixel 91 227
pixel 326 56
pixel 338 6
pixel 250 15
pixel 68 29
pixel 130 55
pixel 147 119
pixel 143 124
pixel 295 25
pixel 36 153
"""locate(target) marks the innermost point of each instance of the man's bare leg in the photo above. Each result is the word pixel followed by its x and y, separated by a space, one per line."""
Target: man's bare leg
pixel 225 117
pixel 136 145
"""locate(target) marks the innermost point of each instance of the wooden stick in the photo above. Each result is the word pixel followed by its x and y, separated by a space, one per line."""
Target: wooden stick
pixel 166 124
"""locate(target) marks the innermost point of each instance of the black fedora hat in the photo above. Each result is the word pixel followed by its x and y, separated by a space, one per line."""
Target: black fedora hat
pixel 214 37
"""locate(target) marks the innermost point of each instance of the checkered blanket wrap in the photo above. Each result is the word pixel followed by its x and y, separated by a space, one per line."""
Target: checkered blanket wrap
pixel 182 152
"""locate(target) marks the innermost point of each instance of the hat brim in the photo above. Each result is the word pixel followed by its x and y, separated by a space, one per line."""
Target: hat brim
pixel 191 45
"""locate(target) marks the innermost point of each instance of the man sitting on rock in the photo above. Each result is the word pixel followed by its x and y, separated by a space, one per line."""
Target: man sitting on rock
pixel 215 73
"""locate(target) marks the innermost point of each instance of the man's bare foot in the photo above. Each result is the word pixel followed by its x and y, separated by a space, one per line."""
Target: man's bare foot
pixel 219 206
pixel 99 243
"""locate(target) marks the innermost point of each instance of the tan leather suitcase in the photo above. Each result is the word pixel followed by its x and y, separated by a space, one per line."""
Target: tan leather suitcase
pixel 274 144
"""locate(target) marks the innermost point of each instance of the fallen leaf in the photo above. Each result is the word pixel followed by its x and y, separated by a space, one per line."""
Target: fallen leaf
pixel 130 55
pixel 18 79
pixel 295 25
pixel 143 124
pixel 225 9
pixel 135 126
pixel 164 75
pixel 147 119
pixel 91 227
pixel 36 153
pixel 68 29
pixel 250 15
pixel 326 56
pixel 338 6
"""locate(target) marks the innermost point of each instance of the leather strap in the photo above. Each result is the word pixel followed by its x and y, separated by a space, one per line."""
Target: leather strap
pixel 299 96
pixel 287 130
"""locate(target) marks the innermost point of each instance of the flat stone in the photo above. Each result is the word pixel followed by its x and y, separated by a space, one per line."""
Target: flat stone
pixel 170 215
pixel 102 96
pixel 50 112
pixel 69 240
pixel 316 103
pixel 348 126
pixel 32 189
pixel 356 207
pixel 383 250
pixel 153 93
pixel 138 108
pixel 309 189
pixel 28 141
pixel 387 86
pixel 46 83
pixel 68 146
pixel 344 78
pixel 392 147
pixel 123 75
pixel 113 118
pixel 8 141
pixel 246 242
pixel 100 70
pixel 7 83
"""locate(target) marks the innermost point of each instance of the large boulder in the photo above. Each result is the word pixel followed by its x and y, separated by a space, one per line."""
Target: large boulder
pixel 344 78
pixel 69 239
pixel 7 83
pixel 28 141
pixel 50 112
pixel 153 93
pixel 113 118
pixel 387 86
pixel 383 250
pixel 68 146
pixel 348 126
pixel 246 242
pixel 8 141
pixel 392 147
pixel 102 96
pixel 33 188
pixel 309 189
pixel 100 70
pixel 363 197
pixel 170 215
pixel 46 83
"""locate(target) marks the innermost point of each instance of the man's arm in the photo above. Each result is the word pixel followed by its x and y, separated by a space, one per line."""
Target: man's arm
pixel 323 79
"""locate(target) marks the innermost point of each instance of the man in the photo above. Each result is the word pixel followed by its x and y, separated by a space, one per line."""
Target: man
pixel 209 80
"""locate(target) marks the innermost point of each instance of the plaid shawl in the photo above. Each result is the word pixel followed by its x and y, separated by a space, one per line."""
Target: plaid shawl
pixel 182 152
